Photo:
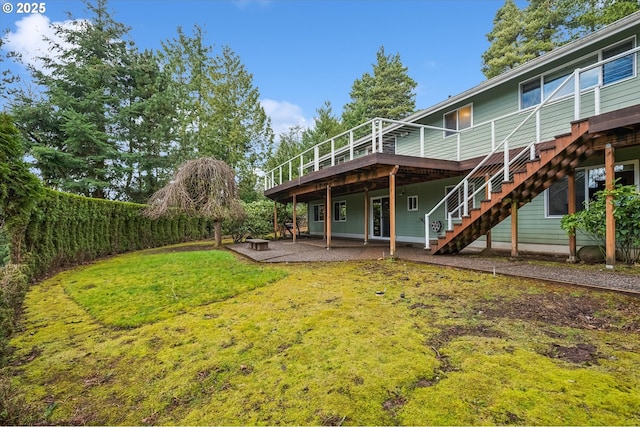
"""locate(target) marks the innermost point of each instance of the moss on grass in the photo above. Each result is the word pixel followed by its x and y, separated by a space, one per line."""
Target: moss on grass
pixel 321 346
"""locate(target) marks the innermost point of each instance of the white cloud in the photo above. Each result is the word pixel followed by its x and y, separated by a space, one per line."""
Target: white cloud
pixel 31 38
pixel 284 115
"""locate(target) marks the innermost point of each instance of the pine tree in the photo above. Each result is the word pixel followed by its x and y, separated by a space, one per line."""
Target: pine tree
pixel 188 60
pixel 506 40
pixel 326 125
pixel 586 16
pixel 238 131
pixel 146 121
pixel 543 20
pixel 70 128
pixel 388 93
pixel 521 35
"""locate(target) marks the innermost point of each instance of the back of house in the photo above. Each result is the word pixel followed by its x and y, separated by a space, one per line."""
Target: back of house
pixel 528 145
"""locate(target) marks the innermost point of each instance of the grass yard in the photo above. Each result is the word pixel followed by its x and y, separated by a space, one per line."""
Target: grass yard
pixel 193 336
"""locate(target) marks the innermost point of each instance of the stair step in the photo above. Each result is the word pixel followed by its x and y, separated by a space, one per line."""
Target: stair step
pixel 553 160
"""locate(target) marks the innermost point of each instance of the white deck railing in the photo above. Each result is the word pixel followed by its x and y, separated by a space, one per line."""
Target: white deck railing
pixel 367 138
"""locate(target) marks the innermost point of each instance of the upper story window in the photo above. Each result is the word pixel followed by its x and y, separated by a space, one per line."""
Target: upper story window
pixel 459 119
pixel 620 68
pixel 537 90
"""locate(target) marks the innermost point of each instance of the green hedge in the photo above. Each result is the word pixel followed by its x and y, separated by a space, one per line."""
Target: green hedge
pixel 65 230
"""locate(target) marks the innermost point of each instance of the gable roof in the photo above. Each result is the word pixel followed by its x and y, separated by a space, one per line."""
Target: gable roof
pixel 574 46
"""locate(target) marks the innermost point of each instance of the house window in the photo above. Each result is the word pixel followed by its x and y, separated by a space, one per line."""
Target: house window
pixel 454 200
pixel 340 211
pixel 588 182
pixel 530 93
pixel 412 203
pixel 536 90
pixel 620 68
pixel 318 213
pixel 459 119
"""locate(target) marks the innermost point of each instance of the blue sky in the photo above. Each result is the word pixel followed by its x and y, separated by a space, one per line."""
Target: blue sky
pixel 303 53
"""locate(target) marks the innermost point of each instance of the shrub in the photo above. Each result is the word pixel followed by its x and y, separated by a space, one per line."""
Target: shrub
pixel 592 221
pixel 13 285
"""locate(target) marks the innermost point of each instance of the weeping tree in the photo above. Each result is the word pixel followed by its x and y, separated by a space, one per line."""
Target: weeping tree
pixel 205 187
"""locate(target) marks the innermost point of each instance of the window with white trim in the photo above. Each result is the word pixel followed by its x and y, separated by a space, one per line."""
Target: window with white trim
pixel 412 203
pixel 538 89
pixel 318 213
pixel 459 119
pixel 618 69
pixel 340 211
pixel 588 182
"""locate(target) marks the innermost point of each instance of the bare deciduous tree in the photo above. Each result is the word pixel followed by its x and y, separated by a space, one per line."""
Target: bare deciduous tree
pixel 204 187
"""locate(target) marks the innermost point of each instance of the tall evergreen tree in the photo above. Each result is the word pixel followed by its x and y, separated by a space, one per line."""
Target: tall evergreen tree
pixel 521 35
pixel 506 40
pixel 237 130
pixel 586 16
pixel 326 125
pixel 71 128
pixel 542 24
pixel 388 92
pixel 147 117
pixel 189 61
pixel 289 146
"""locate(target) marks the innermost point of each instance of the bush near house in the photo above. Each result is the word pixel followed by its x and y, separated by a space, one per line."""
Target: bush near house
pixel 592 221
pixel 259 220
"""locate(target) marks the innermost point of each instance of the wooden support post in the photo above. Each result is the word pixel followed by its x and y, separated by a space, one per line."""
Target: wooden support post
pixel 295 219
pixel 514 229
pixel 366 216
pixel 610 232
pixel 571 209
pixel 392 212
pixel 327 216
pixel 275 220
pixel 487 192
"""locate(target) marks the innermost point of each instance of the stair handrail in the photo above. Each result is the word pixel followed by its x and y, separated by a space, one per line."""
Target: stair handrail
pixel 503 145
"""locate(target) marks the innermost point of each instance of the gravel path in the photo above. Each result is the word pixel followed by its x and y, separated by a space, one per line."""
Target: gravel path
pixel 313 250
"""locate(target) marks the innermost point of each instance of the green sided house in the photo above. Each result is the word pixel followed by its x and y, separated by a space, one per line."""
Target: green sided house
pixel 497 165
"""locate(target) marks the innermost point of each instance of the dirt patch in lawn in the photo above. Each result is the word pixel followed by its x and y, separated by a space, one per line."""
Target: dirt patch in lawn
pixel 561 309
pixel 580 353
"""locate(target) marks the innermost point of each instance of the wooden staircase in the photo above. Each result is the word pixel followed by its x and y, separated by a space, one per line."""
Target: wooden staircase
pixel 553 161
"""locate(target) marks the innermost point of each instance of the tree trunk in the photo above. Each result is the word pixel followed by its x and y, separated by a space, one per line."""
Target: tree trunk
pixel 217 227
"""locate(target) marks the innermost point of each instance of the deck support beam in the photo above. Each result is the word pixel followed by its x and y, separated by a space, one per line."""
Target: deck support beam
pixel 275 220
pixel 366 215
pixel 327 217
pixel 295 219
pixel 571 209
pixel 392 212
pixel 610 232
pixel 514 229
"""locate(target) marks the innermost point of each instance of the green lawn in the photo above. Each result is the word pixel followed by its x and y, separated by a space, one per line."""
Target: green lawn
pixel 134 289
pixel 221 340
